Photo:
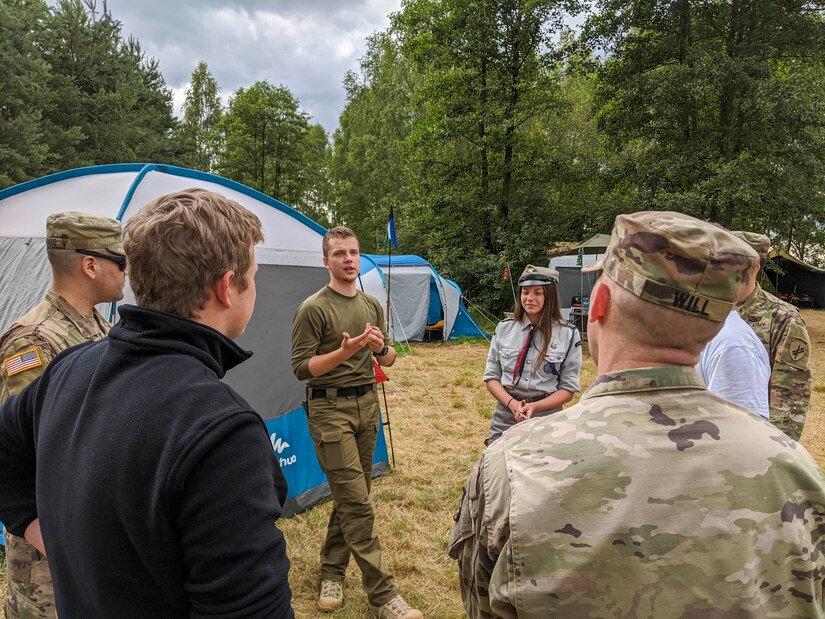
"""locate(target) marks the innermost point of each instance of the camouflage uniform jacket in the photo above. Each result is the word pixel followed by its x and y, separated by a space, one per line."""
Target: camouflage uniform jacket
pixel 782 330
pixel 650 498
pixel 48 329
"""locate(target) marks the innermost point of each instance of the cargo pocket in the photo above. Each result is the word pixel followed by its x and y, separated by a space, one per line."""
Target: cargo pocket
pixel 332 447
pixel 459 543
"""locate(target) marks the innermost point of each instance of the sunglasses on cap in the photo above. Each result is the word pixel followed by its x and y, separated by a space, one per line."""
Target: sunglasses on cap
pixel 119 260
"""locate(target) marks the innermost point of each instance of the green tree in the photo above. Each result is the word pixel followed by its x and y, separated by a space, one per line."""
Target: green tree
pixel 317 198
pixel 202 111
pixel 482 160
pixel 106 90
pixel 368 168
pixel 264 131
pixel 716 109
pixel 28 139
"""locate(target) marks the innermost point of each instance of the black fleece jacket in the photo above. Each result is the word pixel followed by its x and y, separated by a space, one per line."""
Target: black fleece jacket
pixel 156 484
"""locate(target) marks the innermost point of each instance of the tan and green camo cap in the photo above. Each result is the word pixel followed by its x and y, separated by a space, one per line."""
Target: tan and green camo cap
pixel 760 243
pixel 679 262
pixel 77 230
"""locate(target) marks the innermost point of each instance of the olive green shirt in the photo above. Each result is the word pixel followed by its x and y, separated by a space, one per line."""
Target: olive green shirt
pixel 41 334
pixel 318 329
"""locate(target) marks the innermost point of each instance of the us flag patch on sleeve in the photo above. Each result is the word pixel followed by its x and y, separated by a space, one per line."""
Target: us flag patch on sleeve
pixel 23 361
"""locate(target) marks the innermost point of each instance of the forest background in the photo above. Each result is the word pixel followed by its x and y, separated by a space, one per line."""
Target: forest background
pixel 490 128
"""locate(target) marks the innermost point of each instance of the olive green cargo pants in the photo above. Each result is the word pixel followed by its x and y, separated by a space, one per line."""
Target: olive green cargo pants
pixel 344 431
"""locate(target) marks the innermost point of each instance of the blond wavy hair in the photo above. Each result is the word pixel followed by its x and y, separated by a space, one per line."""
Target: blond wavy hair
pixel 180 244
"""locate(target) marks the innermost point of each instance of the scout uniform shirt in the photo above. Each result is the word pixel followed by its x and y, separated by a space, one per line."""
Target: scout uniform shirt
pixel 546 368
pixel 782 330
pixel 651 478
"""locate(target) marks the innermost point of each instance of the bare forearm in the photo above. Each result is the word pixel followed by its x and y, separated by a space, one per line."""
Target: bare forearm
pixel 498 391
pixel 34 536
pixel 321 364
pixel 388 359
pixel 554 400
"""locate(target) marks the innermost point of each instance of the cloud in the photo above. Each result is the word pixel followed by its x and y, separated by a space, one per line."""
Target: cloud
pixel 306 45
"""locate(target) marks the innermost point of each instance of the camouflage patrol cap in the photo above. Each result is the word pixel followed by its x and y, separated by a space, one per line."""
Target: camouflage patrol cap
pixel 760 243
pixel 538 276
pixel 76 230
pixel 679 262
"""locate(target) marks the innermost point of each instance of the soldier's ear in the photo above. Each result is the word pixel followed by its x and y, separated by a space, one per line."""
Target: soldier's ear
pixel 89 267
pixel 600 302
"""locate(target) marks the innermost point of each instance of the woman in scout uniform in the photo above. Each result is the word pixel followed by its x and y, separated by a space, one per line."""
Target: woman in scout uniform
pixel 535 356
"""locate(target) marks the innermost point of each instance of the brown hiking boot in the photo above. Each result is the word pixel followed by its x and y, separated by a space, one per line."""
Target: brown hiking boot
pixel 331 596
pixel 396 608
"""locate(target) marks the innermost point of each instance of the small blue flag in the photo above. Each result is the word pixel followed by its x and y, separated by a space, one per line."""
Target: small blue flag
pixel 389 237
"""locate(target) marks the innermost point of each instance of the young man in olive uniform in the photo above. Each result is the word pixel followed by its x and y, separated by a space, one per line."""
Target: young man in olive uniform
pixel 88 267
pixel 336 334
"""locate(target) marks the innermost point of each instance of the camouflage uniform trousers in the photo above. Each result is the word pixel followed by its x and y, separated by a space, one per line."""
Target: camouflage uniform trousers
pixel 30 593
pixel 344 431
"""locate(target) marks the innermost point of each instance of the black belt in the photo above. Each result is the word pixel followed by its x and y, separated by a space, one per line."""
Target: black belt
pixel 341 392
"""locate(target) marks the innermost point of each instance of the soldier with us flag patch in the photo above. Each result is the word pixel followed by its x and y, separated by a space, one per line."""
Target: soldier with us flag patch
pixel 784 334
pixel 88 267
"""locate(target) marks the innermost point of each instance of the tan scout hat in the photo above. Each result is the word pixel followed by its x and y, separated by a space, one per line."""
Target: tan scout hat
pixel 76 230
pixel 538 276
pixel 679 262
pixel 760 243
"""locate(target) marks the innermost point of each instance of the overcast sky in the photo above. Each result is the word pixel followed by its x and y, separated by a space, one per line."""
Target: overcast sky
pixel 306 45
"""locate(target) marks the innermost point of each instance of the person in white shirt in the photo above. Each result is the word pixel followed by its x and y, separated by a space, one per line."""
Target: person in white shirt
pixel 735 366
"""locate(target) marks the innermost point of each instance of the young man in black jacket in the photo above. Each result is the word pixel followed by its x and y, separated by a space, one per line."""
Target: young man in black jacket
pixel 156 485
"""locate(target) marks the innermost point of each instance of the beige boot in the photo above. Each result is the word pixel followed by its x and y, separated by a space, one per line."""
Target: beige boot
pixel 331 596
pixel 396 608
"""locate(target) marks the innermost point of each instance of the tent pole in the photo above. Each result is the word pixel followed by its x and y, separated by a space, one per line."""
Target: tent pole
pixel 389 327
pixel 388 424
pixel 513 288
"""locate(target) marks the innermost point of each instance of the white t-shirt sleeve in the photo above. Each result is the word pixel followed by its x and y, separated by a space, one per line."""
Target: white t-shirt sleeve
pixel 735 366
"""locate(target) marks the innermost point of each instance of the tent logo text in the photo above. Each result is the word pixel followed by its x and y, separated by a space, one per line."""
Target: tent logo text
pixel 278 446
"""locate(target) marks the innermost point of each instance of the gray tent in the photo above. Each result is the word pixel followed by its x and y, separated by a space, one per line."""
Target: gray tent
pixel 573 284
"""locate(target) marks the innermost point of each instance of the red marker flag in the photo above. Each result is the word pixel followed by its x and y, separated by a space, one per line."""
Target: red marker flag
pixel 380 376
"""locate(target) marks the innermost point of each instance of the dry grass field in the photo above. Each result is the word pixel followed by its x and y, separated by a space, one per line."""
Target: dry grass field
pixel 439 411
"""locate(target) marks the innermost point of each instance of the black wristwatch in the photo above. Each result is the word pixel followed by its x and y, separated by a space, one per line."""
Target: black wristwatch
pixel 383 351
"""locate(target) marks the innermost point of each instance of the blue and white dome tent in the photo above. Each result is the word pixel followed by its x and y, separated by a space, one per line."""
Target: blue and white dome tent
pixel 422 300
pixel 291 268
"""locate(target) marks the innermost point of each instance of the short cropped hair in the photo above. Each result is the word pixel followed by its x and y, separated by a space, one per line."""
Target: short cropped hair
pixel 339 232
pixel 180 244
pixel 657 327
pixel 64 262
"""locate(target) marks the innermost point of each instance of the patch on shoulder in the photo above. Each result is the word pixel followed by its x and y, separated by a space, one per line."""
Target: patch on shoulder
pixel 26 360
pixel 798 348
